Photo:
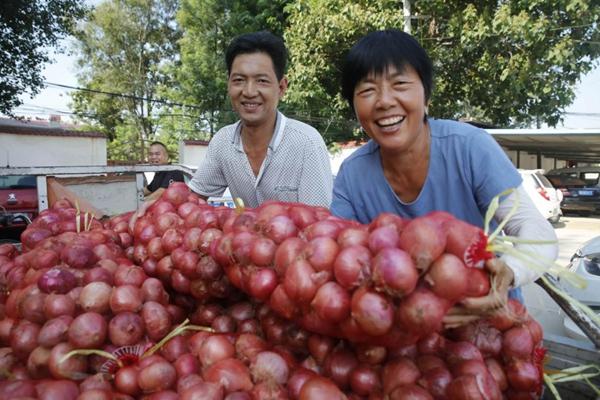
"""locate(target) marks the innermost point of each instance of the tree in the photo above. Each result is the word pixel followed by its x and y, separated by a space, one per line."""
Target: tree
pixel 125 48
pixel 508 63
pixel 209 26
pixel 27 30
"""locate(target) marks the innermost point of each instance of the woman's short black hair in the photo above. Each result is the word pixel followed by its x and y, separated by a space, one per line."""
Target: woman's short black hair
pixel 259 42
pixel 376 51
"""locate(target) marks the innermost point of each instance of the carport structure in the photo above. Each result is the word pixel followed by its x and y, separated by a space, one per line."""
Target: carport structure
pixel 571 145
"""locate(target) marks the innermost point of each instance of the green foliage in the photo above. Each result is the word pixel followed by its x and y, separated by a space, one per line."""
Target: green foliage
pixel 27 30
pixel 125 46
pixel 509 63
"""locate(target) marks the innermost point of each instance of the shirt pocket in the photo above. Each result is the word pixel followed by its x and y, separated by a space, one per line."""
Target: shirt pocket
pixel 286 193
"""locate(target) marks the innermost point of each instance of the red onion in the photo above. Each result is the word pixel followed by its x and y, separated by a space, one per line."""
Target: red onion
pixel 372 312
pixel 269 367
pixel 88 331
pixel 320 388
pixel 57 280
pixel 352 266
pixel 231 373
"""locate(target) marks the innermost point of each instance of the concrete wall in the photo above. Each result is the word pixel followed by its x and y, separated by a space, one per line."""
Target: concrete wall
pixel 18 150
pixel 191 154
pixel 525 160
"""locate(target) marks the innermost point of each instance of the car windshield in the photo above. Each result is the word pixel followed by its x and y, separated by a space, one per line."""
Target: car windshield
pixel 17 182
pixel 543 180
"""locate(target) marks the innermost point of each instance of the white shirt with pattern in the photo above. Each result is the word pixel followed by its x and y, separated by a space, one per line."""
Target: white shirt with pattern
pixel 295 169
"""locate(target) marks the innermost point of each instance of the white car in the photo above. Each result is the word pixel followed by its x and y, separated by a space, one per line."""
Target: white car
pixel 546 198
pixel 585 263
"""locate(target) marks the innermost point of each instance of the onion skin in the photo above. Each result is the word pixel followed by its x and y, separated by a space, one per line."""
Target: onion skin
pixel 88 331
pixel 352 267
pixel 399 372
pixel 54 331
pixel 372 312
pixel 14 389
pixel 394 272
pixel 320 388
pixel 203 390
pixel 59 389
pixel 160 375
pixel 332 302
pixel 517 343
pixel 23 338
pixel 95 297
pixel 448 277
pixel 231 373
pixel 125 328
pixel 37 363
pixel 523 376
pixel 72 368
pixel 422 312
pixel 57 280
pixel 424 239
pixel 126 380
pixel 410 392
pixel 157 320
pixel 364 380
pixel 269 367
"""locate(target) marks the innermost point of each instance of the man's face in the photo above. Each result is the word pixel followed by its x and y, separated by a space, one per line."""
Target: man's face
pixel 254 89
pixel 157 155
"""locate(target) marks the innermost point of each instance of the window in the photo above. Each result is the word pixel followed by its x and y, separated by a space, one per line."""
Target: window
pixel 17 182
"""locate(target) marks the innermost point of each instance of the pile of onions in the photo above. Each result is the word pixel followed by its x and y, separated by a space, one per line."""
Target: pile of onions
pixel 387 283
pixel 301 304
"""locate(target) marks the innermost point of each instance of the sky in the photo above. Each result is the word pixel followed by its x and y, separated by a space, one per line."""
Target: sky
pixel 583 113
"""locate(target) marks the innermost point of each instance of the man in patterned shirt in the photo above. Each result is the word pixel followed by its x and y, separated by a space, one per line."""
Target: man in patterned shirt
pixel 264 156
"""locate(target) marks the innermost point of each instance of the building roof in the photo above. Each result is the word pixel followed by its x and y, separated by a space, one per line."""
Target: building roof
pixel 581 145
pixel 196 142
pixel 44 128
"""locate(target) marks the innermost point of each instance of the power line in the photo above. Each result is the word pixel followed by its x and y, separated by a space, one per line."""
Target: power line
pixel 123 95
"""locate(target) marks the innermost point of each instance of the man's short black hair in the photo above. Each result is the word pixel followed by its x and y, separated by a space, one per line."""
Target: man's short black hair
pixel 376 51
pixel 156 142
pixel 259 42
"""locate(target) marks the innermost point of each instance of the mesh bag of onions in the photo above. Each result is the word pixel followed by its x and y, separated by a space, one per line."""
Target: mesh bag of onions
pixel 282 301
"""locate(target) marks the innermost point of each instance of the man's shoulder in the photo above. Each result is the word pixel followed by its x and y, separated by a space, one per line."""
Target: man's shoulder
pixel 226 132
pixel 302 128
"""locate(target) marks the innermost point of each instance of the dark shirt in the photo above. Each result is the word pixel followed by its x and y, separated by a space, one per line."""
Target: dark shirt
pixel 162 179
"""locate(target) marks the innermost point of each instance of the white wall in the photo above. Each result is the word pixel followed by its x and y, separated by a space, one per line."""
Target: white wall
pixel 18 150
pixel 529 161
pixel 191 154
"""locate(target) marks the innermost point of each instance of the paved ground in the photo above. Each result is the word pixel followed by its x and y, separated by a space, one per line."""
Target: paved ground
pixel 572 232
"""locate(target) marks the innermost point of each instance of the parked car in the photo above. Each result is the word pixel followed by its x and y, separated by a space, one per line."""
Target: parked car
pixel 585 263
pixel 18 205
pixel 545 197
pixel 580 187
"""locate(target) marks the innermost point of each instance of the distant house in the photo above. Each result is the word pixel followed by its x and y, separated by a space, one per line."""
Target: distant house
pixel 191 152
pixel 37 143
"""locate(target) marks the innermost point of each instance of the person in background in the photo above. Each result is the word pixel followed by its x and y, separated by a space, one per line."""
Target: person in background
pixel 265 155
pixel 157 154
pixel 414 164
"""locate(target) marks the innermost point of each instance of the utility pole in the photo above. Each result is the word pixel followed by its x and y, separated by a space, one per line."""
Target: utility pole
pixel 406 10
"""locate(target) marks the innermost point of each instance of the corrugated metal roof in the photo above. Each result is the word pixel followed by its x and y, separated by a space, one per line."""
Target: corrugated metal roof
pixel 44 128
pixel 581 145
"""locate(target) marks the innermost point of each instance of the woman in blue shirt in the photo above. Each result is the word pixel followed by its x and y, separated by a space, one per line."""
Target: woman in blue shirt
pixel 414 164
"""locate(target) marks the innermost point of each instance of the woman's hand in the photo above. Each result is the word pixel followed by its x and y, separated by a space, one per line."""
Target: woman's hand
pixel 473 308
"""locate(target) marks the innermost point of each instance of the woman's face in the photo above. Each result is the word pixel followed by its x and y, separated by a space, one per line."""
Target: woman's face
pixel 391 107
